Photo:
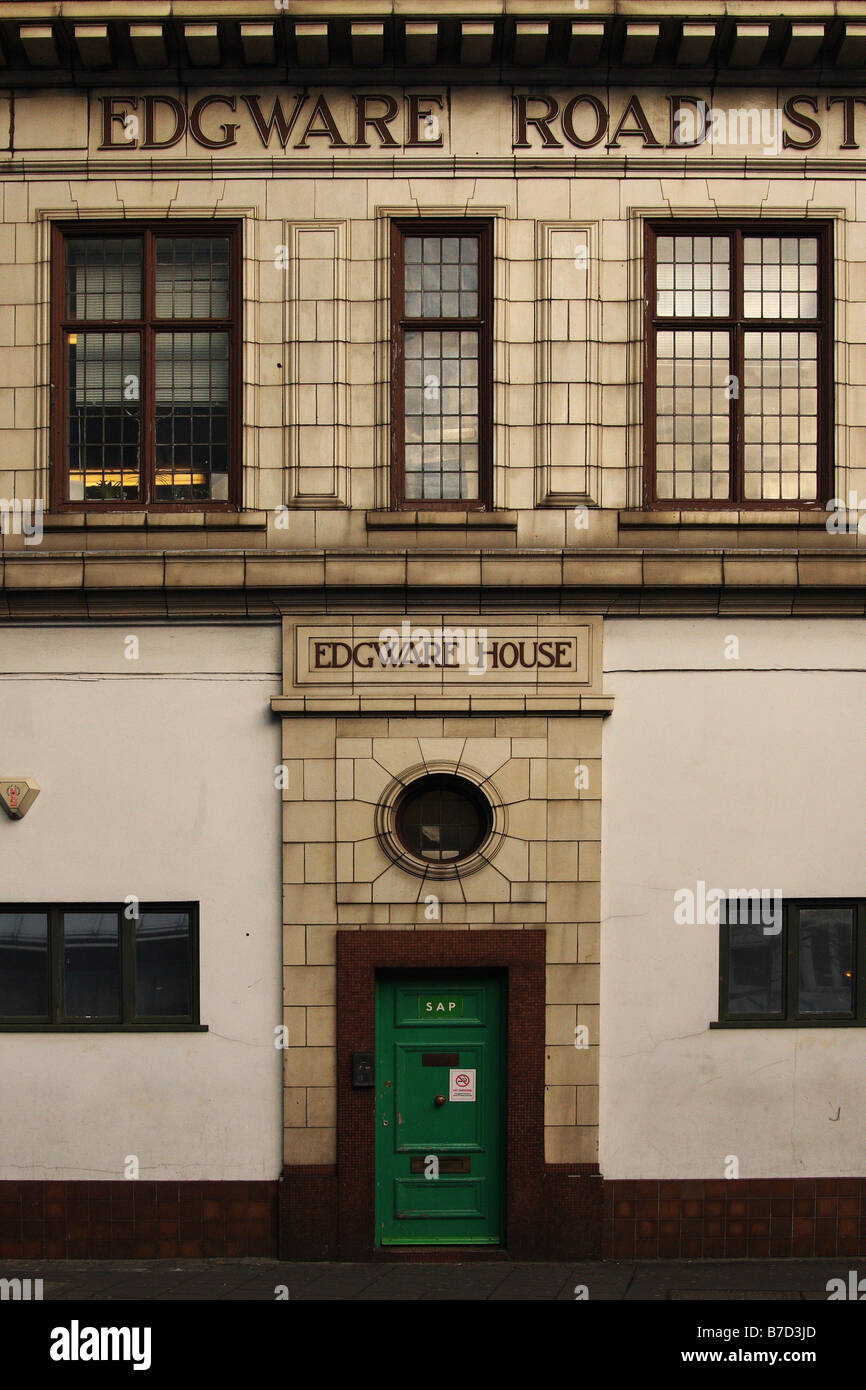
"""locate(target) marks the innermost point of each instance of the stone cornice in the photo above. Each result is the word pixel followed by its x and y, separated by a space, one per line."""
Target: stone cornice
pixel 84 42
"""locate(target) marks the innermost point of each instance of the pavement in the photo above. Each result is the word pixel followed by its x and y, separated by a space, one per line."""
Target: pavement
pixel 265 1280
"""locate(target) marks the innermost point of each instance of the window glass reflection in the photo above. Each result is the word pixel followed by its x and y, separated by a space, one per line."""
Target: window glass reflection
pixel 826 978
pixel 162 943
pixel 91 961
pixel 24 965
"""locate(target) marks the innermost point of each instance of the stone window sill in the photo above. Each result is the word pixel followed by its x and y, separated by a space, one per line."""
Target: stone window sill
pixel 104 1028
pixel 441 520
pixel 709 517
pixel 155 521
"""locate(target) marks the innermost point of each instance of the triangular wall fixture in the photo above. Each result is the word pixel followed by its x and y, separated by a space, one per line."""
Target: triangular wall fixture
pixel 17 795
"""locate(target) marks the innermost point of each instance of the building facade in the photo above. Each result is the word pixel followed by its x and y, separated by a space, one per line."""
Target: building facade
pixel 431 629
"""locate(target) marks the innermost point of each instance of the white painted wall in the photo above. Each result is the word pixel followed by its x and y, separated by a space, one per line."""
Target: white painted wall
pixel 157 779
pixel 744 773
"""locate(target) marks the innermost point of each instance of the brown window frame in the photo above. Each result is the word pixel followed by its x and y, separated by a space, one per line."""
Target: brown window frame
pixel 147 326
pixel 483 322
pixel 734 324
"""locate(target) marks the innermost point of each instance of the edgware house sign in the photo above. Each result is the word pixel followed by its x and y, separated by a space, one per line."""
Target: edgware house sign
pixel 443 653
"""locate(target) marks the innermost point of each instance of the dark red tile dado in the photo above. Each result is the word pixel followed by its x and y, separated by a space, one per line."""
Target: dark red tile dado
pixel 583 1216
pixel 132 1220
pixel 773 1218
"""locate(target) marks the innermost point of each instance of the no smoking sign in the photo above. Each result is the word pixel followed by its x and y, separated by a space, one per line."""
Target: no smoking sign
pixel 462 1083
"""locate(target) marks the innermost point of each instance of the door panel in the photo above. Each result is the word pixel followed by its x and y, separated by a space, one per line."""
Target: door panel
pixel 439 1168
pixel 456 1126
pixel 420 1197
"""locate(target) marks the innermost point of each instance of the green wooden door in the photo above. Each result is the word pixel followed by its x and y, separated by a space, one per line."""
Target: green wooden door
pixel 440 1092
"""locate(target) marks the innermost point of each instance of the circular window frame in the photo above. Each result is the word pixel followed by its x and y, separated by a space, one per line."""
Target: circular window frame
pixel 395 796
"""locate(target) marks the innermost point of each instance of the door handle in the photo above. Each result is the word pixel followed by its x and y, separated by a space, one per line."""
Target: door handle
pixel 438 1100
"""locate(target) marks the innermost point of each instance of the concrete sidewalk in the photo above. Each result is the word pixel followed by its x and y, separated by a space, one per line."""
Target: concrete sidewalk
pixel 665 1280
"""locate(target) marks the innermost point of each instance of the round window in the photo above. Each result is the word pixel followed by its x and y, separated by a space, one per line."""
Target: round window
pixel 442 819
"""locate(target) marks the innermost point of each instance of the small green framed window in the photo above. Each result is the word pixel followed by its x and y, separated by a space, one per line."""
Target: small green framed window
pixel 803 965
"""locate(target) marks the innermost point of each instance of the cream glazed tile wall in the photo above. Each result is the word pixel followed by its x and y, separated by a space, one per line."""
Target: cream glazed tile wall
pixel 370 873
pixel 318 409
pixel 567 411
pixel 322 469
pixel 309 947
pixel 521 360
pixel 556 439
pixel 545 774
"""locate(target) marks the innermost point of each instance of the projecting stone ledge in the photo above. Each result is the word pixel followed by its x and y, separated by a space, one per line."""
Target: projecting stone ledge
pixel 558 707
pixel 614 569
